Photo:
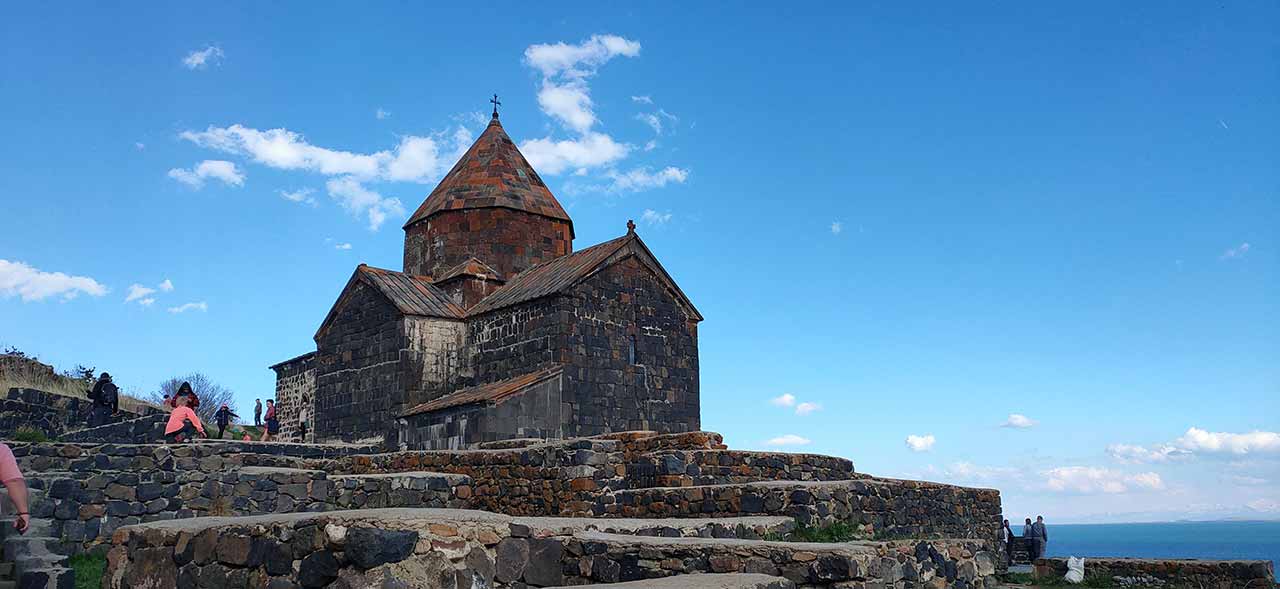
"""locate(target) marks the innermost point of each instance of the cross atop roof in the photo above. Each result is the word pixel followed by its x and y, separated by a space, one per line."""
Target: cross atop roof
pixel 495 102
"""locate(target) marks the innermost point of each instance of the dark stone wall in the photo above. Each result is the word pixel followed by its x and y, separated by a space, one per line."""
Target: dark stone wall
pixel 520 339
pixel 507 240
pixel 534 413
pixel 295 381
pixel 466 291
pixel 633 355
pixel 360 384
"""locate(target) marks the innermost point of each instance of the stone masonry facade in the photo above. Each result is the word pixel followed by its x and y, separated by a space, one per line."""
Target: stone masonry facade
pixel 493 291
pixel 295 383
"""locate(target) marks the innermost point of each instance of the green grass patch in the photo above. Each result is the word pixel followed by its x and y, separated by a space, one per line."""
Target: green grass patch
pixel 32 435
pixel 89 570
pixel 1092 581
pixel 832 533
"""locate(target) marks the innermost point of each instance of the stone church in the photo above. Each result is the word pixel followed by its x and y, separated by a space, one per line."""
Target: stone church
pixel 496 328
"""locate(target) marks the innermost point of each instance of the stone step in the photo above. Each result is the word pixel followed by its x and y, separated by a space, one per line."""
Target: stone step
pixel 706 581
pixel 52 577
pixel 610 558
pixel 747 528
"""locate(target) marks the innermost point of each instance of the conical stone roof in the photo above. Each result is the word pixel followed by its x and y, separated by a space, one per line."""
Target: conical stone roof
pixel 492 174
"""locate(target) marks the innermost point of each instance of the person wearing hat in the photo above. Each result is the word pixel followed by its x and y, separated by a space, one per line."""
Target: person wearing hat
pixel 106 401
pixel 223 418
pixel 183 422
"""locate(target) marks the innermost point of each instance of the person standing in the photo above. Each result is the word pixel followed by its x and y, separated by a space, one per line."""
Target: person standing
pixel 223 418
pixel 1041 535
pixel 257 412
pixel 11 477
pixel 1006 537
pixel 106 401
pixel 272 424
pixel 302 421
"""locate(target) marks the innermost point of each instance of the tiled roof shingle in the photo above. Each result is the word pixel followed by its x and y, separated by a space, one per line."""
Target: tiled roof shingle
pixel 493 173
pixel 494 392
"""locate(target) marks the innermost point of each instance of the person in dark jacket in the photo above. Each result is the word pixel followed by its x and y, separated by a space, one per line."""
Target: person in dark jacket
pixel 1041 535
pixel 223 418
pixel 106 401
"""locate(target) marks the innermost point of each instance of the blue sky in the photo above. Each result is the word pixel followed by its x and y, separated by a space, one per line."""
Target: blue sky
pixel 914 220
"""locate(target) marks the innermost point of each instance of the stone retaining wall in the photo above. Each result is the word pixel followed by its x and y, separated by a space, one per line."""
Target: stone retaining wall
pixel 1188 573
pixel 51 413
pixel 470 549
pixel 362 548
pixel 879 507
pixel 142 430
pixel 85 509
pixel 593 557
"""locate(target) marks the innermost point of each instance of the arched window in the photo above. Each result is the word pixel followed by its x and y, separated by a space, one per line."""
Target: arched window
pixel 631 351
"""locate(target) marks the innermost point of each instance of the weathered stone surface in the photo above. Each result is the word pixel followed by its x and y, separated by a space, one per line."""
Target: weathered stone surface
pixel 370 547
pixel 318 569
pixel 513 558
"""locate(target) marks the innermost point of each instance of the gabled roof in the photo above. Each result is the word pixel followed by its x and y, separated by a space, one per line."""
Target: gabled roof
pixel 470 267
pixel 492 174
pixel 557 275
pixel 494 392
pixel 411 295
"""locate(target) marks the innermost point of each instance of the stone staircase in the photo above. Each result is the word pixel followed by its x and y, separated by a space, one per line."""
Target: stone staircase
pixel 32 560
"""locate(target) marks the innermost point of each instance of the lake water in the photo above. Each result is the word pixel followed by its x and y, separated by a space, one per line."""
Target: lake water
pixel 1246 540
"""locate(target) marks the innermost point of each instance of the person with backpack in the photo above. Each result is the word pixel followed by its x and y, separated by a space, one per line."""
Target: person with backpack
pixel 106 401
pixel 183 422
pixel 223 418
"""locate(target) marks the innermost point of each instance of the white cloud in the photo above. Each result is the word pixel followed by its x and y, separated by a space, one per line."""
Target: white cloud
pixel 967 471
pixel 569 102
pixel 299 196
pixel 1130 454
pixel 415 159
pixel 807 408
pixel 836 227
pixel 920 443
pixel 342 246
pixel 650 145
pixel 200 306
pixel 199 59
pixel 591 150
pixel 1265 505
pixel 1197 441
pixel 653 217
pixel 642 99
pixel 1019 421
pixel 359 200
pixel 30 284
pixel 137 291
pixel 142 294
pixel 788 440
pixel 645 179
pixel 581 60
pixel 1091 479
pixel 656 120
pixel 1201 441
pixel 222 170
pixel 286 150
pixel 139 145
pixel 784 400
pixel 1236 252
pixel 382 114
